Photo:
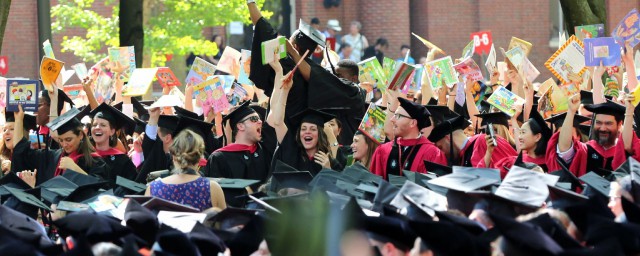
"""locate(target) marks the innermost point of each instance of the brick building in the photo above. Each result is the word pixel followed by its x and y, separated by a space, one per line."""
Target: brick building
pixel 445 23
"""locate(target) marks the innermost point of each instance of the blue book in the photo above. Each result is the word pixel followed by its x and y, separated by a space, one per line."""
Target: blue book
pixel 601 49
pixel 23 92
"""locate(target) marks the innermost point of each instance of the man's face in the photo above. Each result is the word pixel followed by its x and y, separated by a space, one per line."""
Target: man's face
pixel 344 73
pixel 252 126
pixel 606 130
pixel 402 123
pixel 42 115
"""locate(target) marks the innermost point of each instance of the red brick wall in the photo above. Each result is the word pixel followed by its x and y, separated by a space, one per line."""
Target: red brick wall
pixel 20 42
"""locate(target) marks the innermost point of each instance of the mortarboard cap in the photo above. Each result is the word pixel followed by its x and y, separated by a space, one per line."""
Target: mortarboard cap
pixel 141 221
pixel 597 183
pixel 157 204
pixel 312 116
pixel 586 97
pixel 567 176
pixel 180 112
pixel 554 230
pixel 417 112
pixel 360 173
pixel 26 201
pixel 440 113
pixel 140 126
pixel 386 194
pixel 607 108
pixel 117 119
pixel 312 33
pixel 494 118
pixel 418 178
pixel 396 180
pixel 262 112
pixel 62 98
pixel 298 180
pixel 445 238
pixel 524 187
pixel 132 186
pixel 12 180
pixel 447 127
pixel 174 242
pixel 524 237
pixel 92 226
pixel 469 225
pixel 428 200
pixel 80 179
pixel 231 217
pixel 234 189
pixel 56 188
pixel 462 182
pixel 239 113
pixel 202 128
pixel 436 168
pixel 85 192
pixel 539 120
pixel 488 173
pixel 29 121
pixel 168 122
pixel 206 240
pixel 390 230
pixel 65 122
pixel 558 120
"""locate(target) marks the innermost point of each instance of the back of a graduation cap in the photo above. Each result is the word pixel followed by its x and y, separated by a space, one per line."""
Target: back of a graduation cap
pixel 417 112
pixel 312 33
pixel 445 238
pixel 494 118
pixel 231 217
pixel 311 116
pixel 558 120
pixel 524 186
pixel 65 122
pixel 298 179
pixel 386 229
pixel 447 127
pixel 523 238
pixel 239 113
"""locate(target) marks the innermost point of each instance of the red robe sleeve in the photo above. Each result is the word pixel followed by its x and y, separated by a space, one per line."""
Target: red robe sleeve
pixel 428 152
pixel 505 162
pixel 503 150
pixel 621 154
pixel 578 165
pixel 379 159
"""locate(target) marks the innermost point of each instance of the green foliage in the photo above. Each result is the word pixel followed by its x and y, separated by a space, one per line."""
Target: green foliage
pixel 174 26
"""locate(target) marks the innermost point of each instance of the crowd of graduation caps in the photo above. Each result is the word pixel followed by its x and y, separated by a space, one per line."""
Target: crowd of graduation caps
pixel 277 181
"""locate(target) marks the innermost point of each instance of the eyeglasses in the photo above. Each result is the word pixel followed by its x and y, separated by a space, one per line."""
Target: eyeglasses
pixel 398 116
pixel 253 119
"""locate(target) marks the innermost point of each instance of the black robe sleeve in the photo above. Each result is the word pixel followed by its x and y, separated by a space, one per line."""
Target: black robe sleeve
pixel 43 160
pixel 154 160
pixel 119 165
pixel 97 169
pixel 261 75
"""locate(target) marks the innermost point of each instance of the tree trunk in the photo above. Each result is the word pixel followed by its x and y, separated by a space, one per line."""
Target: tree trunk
pixel 583 12
pixel 131 29
pixel 5 5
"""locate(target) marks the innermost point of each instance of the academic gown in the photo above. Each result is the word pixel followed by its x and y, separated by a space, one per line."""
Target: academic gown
pixel 295 156
pixel 46 161
pixel 620 151
pixel 472 155
pixel 118 164
pixel 508 162
pixel 386 158
pixel 588 156
pixel 155 159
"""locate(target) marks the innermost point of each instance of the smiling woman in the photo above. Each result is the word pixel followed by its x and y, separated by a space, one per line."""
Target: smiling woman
pixel 6 149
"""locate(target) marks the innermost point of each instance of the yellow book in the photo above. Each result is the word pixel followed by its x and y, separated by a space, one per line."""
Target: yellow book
pixel 49 70
pixel 526 46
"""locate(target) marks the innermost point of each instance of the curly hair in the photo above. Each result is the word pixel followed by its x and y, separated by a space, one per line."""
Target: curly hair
pixel 187 149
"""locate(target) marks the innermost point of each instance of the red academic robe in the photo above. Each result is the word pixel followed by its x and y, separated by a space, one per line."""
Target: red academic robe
pixel 503 150
pixel 428 151
pixel 578 165
pixel 508 162
pixel 621 155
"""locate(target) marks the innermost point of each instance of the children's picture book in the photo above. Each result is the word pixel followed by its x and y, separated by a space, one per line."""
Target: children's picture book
pixel 80 69
pixel 627 30
pixel 272 48
pixel 636 94
pixel 529 71
pixel 103 86
pixel 568 59
pixel 401 74
pixel 388 65
pixel 64 74
pixel 469 68
pixel 76 94
pixel 505 100
pixel 611 87
pixel 48 50
pixel 200 71
pixel 230 61
pixel 526 46
pixel 601 50
pixel 441 70
pixel 407 85
pixel 22 92
pixel 166 77
pixel 245 67
pixel 416 81
pixel 211 96
pixel 555 98
pixel 490 64
pixel 49 71
pixel 372 124
pixel 589 31
pixel 126 56
pixel 140 82
pixel 515 56
pixel 371 71
pixel 3 90
pixel 467 51
pixel 478 91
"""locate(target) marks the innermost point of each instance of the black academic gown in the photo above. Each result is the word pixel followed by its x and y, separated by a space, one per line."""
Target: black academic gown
pixel 155 159
pixel 119 165
pixel 46 162
pixel 295 156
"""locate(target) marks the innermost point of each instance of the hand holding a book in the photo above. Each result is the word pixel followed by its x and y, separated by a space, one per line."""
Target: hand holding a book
pixel 629 99
pixel 275 64
pixel 367 86
pixel 599 71
pixel 627 56
pixel 574 103
pixel 117 68
pixel 494 76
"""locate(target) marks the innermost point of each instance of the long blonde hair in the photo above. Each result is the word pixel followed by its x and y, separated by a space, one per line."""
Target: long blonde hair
pixel 503 131
pixel 187 149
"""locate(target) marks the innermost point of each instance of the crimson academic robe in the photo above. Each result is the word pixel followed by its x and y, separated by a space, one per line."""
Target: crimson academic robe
pixel 620 151
pixel 507 163
pixel 588 156
pixel 472 155
pixel 388 157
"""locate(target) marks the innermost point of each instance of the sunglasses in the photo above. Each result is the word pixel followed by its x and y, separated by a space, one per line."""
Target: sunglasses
pixel 253 119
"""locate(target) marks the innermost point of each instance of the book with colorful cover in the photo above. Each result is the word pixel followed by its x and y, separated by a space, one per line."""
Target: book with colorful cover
pixel 490 64
pixel 64 74
pixel 272 48
pixel 526 46
pixel 230 61
pixel 589 31
pixel 238 94
pixel 200 71
pixel 388 65
pixel 126 56
pixel 416 81
pixel 371 71
pixel 401 74
pixel 568 59
pixel 76 94
pixel 211 96
pixel 49 71
pixel 103 86
pixel 505 100
pixel 407 85
pixel 245 67
pixel 469 68
pixel 467 51
pixel 555 98
pixel 529 70
pixel 636 94
pixel 372 124
pixel 140 82
pixel 627 30
pixel 166 77
pixel 602 49
pixel 611 87
pixel 81 70
pixel 515 56
pixel 441 70
pixel 22 92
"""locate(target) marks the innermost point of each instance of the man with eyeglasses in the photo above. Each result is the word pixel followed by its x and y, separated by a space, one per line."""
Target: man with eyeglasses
pixel 247 157
pixel 409 149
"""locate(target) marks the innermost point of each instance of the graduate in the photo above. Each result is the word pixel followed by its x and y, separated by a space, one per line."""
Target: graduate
pixel 105 122
pixel 158 136
pixel 247 157
pixel 45 112
pixel 6 148
pixel 76 153
pixel 598 152
pixel 631 143
pixel 409 148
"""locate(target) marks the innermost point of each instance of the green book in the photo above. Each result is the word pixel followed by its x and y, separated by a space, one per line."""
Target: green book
pixel 371 71
pixel 272 48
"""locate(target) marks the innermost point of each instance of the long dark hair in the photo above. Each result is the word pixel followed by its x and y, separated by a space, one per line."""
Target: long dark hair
pixel 85 148
pixel 541 145
pixel 323 141
pixel 371 147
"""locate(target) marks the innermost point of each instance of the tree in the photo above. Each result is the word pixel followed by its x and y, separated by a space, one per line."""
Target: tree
pixel 174 26
pixel 5 5
pixel 587 12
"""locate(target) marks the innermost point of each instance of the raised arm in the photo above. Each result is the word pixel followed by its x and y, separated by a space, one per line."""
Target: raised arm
pixel 528 104
pixel 304 67
pixel 630 67
pixel 188 97
pixel 278 102
pixel 254 12
pixel 86 86
pixel 471 103
pixel 598 87
pixel 516 127
pixel 566 131
pixel 627 127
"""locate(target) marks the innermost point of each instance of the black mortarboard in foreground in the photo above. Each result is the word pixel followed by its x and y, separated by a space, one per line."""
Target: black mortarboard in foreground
pixel 65 122
pixel 597 183
pixel 524 237
pixel 168 122
pixel 417 112
pixel 142 221
pixel 173 242
pixel 299 180
pixel 558 120
pixel 445 238
pixel 554 230
pixel 311 33
pixel 312 116
pixel 390 230
pixel 188 113
pixel 239 113
pixel 447 127
pixel 95 227
pixel 205 240
pixel 231 217
pixel 157 204
pixel 440 113
pixel 131 186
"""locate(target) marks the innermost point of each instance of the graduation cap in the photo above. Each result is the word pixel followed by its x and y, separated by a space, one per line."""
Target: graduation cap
pixel 85 192
pixel 312 116
pixel 173 242
pixel 462 182
pixel 602 229
pixel 494 118
pixel 558 120
pixel 206 240
pixel 567 176
pixel 607 108
pixel 140 126
pixel 56 188
pixel 157 204
pixel 202 128
pixel 524 187
pixel 312 33
pixel 62 98
pixel 446 238
pixel 396 180
pixel 390 230
pixel 238 113
pixel 27 201
pixel 553 229
pixel 262 112
pixel 488 173
pixel 180 112
pixel 524 237
pixel 168 122
pixel 298 179
pixel 65 122
pixel 539 120
pixel 132 186
pixel 92 226
pixel 447 127
pixel 597 183
pixel 234 188
pixel 231 217
pixel 467 224
pixel 417 112
pixel 426 199
pixel 29 121
pixel 142 221
pixel 116 119
pixel 440 113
